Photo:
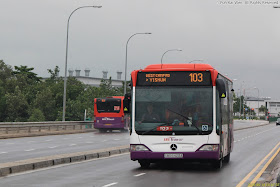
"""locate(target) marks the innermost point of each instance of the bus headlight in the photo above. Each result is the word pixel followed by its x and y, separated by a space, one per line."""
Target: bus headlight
pixel 209 148
pixel 138 148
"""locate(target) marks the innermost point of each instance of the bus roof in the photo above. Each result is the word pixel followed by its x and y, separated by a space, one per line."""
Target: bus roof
pixel 178 67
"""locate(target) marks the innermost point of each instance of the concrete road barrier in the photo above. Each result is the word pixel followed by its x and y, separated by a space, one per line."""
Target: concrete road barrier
pixel 263 123
pixel 48 161
pixel 25 129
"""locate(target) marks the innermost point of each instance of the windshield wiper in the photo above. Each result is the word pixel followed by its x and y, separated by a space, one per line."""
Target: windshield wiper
pixel 185 118
pixel 164 124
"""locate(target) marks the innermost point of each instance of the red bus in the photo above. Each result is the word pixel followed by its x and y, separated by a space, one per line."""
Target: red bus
pixel 108 114
pixel 182 112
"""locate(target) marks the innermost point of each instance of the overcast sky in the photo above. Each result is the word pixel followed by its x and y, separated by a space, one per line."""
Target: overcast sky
pixel 240 40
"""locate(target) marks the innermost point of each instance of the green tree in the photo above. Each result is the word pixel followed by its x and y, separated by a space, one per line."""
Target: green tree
pixel 263 109
pixel 45 102
pixel 74 88
pixel 54 74
pixel 17 106
pixel 2 104
pixel 5 73
pixel 37 115
pixel 24 70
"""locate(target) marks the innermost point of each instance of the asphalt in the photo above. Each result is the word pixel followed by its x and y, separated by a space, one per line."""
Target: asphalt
pixel 33 147
pixel 251 146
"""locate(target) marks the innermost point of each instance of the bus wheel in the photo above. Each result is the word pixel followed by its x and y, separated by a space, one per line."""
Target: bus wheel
pixel 218 164
pixel 144 164
pixel 102 130
pixel 227 158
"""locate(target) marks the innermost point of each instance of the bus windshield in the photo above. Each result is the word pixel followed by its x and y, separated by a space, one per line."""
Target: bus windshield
pixel 108 105
pixel 171 110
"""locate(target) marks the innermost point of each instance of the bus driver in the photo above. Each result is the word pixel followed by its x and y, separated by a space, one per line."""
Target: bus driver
pixel 150 116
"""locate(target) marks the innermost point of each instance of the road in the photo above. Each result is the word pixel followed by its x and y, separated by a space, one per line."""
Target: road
pixel 33 147
pixel 251 146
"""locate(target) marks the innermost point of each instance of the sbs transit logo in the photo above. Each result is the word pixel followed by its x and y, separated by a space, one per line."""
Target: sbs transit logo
pixel 172 139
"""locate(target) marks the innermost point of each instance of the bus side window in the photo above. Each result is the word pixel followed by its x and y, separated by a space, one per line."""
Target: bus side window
pixel 219 114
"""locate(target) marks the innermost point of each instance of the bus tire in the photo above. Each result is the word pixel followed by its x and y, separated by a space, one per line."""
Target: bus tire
pixel 218 164
pixel 144 164
pixel 227 158
pixel 102 130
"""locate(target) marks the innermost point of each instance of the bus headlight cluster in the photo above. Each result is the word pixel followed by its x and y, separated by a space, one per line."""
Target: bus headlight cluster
pixel 209 148
pixel 138 148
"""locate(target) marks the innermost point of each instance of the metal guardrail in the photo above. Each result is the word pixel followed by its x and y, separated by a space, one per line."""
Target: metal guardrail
pixel 28 127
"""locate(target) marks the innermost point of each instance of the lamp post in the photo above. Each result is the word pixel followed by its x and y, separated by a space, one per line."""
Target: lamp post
pixel 125 67
pixel 240 100
pixel 258 100
pixel 66 56
pixel 195 60
pixel 168 51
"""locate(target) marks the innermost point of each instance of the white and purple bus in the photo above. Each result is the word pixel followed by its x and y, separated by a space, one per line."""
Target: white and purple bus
pixel 182 112
pixel 109 114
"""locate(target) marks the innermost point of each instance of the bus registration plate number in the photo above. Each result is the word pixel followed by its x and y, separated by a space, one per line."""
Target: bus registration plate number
pixel 168 155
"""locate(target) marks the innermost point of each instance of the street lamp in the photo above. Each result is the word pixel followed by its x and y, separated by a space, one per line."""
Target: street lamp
pixel 196 60
pixel 125 67
pixel 66 56
pixel 168 51
pixel 258 100
pixel 240 99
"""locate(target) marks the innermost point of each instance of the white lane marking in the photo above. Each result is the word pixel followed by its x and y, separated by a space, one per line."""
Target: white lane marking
pixel 140 174
pixel 234 141
pixel 53 147
pixel 62 165
pixel 80 137
pixel 104 140
pixel 255 134
pixel 3 153
pixel 48 140
pixel 29 150
pixel 111 184
pixel 72 144
pixel 116 139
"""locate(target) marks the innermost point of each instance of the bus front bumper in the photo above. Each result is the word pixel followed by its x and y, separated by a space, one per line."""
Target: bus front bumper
pixel 139 155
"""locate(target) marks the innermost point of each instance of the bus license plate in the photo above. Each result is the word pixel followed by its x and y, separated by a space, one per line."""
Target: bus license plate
pixel 108 124
pixel 180 155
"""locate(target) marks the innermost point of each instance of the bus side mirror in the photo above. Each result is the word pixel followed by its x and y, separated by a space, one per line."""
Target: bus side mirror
pixel 221 87
pixel 126 103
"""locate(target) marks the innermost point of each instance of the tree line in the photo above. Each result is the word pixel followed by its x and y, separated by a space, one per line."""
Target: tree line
pixel 24 96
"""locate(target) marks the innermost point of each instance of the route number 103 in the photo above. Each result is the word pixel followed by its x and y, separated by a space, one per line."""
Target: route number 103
pixel 196 77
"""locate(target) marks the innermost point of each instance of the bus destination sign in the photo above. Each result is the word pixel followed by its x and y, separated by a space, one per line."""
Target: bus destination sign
pixel 174 78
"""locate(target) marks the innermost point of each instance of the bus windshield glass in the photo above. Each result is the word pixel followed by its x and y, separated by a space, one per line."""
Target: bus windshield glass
pixel 174 110
pixel 108 105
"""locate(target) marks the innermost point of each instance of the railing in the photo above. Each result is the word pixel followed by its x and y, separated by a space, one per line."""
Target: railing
pixel 30 127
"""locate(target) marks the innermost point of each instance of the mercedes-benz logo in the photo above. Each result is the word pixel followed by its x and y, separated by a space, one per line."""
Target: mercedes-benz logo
pixel 173 147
